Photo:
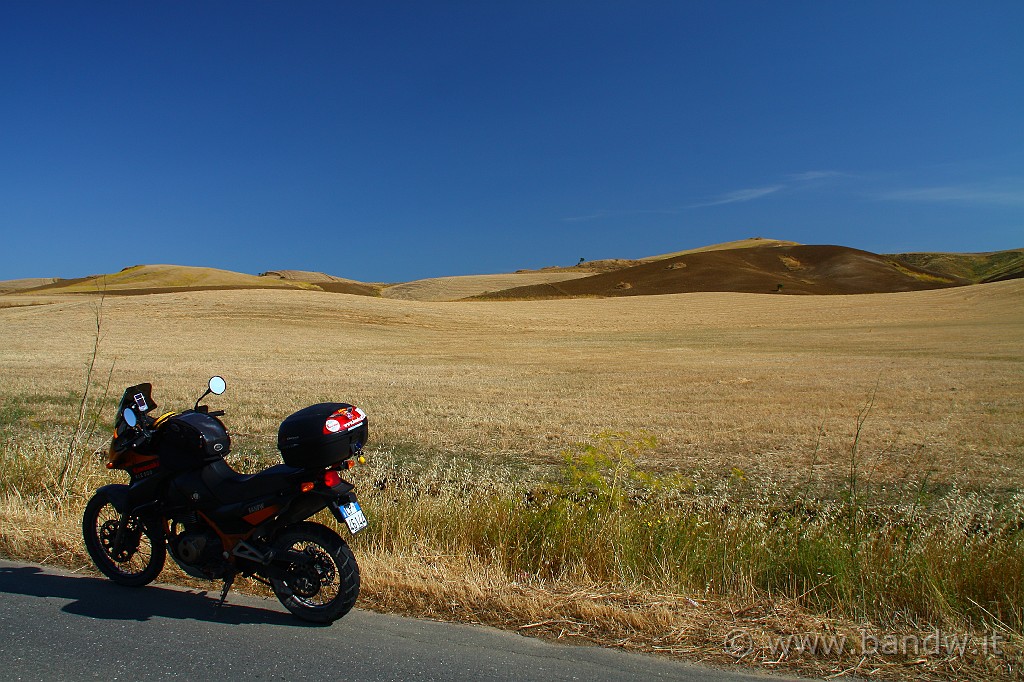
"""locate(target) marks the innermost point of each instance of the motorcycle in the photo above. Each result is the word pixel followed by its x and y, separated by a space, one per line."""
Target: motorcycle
pixel 184 499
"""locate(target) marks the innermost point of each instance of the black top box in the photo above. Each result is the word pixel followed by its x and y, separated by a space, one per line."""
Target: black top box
pixel 322 435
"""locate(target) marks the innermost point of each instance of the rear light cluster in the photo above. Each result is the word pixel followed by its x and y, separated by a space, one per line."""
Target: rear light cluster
pixel 331 477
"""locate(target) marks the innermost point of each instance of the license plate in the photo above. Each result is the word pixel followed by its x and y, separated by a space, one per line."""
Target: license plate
pixel 354 517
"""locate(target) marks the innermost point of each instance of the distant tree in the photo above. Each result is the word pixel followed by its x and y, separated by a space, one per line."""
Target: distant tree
pixel 581 261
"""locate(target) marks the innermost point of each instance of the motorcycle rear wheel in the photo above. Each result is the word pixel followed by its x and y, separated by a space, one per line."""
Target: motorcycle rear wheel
pixel 323 588
pixel 134 561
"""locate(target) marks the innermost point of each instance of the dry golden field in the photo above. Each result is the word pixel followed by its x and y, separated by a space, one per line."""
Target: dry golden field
pixel 721 380
pixel 753 510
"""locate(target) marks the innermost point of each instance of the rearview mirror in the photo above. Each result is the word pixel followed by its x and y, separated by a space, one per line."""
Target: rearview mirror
pixel 218 385
pixel 129 417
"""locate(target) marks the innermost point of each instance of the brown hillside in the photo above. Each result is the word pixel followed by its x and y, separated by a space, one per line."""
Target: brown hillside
pixel 773 269
pixel 615 264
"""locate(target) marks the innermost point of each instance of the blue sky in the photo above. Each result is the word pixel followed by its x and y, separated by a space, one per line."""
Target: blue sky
pixel 387 141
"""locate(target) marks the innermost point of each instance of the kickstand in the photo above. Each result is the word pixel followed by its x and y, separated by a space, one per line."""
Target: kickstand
pixel 228 582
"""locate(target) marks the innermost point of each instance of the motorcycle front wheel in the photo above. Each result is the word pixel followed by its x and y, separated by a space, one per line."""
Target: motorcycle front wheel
pixel 321 581
pixel 133 555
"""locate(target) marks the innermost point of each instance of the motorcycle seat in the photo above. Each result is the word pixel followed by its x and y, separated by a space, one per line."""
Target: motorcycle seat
pixel 229 486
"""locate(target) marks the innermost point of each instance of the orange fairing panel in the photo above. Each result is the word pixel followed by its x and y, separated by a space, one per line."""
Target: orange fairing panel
pixel 258 517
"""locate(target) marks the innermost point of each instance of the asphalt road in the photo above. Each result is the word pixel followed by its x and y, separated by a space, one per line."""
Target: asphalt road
pixel 55 625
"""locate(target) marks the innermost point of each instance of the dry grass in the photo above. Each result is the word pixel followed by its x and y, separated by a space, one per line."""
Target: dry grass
pixel 754 398
pixel 451 539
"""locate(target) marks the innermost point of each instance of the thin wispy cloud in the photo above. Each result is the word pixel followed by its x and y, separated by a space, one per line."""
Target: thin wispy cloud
pixel 739 196
pixel 1004 193
pixel 810 176
pixel 793 182
pixel 584 218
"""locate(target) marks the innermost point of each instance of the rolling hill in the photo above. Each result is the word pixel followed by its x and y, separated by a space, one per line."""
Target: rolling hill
pixel 152 279
pixel 794 269
pixel 994 266
pixel 613 264
pixel 755 265
pixel 751 243
pixel 9 285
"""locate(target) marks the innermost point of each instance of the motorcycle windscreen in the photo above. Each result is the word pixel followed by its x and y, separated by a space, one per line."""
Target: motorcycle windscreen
pixel 138 398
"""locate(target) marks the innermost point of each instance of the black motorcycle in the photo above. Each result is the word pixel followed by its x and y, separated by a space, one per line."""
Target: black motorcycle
pixel 183 498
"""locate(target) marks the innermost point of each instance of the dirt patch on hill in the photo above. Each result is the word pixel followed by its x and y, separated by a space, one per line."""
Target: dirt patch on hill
pixel 775 269
pixel 355 288
pixel 332 283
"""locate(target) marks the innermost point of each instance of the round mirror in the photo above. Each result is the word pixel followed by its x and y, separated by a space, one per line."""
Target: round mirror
pixel 217 385
pixel 129 417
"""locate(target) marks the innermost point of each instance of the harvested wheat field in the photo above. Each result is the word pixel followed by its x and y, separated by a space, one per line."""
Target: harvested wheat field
pixel 777 449
pixel 722 380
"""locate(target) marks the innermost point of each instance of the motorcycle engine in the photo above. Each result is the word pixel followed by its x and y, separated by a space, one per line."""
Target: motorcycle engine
pixel 198 551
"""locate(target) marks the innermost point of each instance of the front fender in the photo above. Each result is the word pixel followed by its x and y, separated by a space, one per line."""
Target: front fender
pixel 120 496
pixel 117 493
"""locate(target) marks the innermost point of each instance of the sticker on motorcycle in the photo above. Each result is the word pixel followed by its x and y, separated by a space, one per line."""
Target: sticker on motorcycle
pixel 140 402
pixel 345 419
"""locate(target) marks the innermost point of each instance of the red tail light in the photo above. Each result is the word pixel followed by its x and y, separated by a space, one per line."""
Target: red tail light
pixel 332 478
pixel 306 486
